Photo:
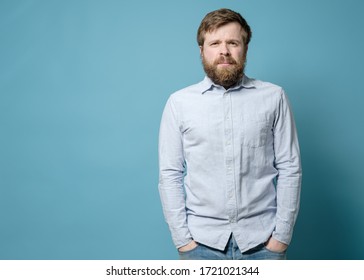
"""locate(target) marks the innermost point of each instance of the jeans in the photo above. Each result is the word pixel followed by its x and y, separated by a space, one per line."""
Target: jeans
pixel 231 252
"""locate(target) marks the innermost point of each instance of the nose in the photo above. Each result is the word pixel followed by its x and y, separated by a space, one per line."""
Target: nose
pixel 224 50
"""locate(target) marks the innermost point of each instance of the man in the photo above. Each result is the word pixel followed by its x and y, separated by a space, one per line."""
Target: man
pixel 230 172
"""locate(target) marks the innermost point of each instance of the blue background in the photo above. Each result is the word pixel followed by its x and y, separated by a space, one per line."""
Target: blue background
pixel 82 89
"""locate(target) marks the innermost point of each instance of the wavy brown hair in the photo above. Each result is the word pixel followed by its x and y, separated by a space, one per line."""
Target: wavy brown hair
pixel 218 18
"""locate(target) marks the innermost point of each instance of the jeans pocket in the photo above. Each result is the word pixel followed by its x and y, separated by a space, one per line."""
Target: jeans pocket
pixel 274 252
pixel 189 251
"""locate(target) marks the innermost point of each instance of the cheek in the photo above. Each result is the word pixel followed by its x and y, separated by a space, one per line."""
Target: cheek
pixel 209 55
pixel 238 54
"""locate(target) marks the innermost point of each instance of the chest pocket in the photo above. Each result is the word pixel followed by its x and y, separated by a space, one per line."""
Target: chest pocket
pixel 254 131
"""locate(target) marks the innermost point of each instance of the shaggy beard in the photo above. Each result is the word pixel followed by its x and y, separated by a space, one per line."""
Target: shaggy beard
pixel 226 76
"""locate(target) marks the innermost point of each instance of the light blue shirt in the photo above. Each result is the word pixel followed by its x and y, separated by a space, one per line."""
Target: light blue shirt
pixel 229 163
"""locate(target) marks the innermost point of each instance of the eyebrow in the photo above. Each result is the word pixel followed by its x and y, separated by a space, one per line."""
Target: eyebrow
pixel 234 41
pixel 228 41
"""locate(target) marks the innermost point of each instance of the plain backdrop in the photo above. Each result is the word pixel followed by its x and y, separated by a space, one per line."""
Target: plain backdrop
pixel 82 89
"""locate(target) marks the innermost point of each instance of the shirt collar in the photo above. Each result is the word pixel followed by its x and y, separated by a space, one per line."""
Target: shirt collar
pixel 245 82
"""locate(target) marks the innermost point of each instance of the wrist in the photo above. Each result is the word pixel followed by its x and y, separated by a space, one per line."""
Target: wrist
pixel 274 245
pixel 190 246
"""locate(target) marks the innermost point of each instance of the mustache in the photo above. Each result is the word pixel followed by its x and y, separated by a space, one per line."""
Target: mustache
pixel 225 59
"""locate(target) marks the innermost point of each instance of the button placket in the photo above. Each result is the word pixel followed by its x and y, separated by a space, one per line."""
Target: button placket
pixel 229 162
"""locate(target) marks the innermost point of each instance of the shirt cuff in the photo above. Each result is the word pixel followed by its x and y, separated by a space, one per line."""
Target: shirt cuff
pixel 181 237
pixel 283 233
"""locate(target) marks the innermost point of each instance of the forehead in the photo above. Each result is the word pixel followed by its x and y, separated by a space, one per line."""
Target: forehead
pixel 232 30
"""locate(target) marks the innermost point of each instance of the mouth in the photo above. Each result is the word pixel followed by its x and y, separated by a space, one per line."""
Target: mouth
pixel 225 65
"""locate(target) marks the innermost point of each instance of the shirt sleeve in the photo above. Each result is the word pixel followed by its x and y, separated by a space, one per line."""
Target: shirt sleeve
pixel 171 174
pixel 288 164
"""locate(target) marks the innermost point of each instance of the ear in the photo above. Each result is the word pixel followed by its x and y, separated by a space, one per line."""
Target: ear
pixel 201 51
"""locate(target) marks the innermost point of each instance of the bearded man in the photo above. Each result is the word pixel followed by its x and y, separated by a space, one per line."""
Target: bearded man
pixel 229 162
